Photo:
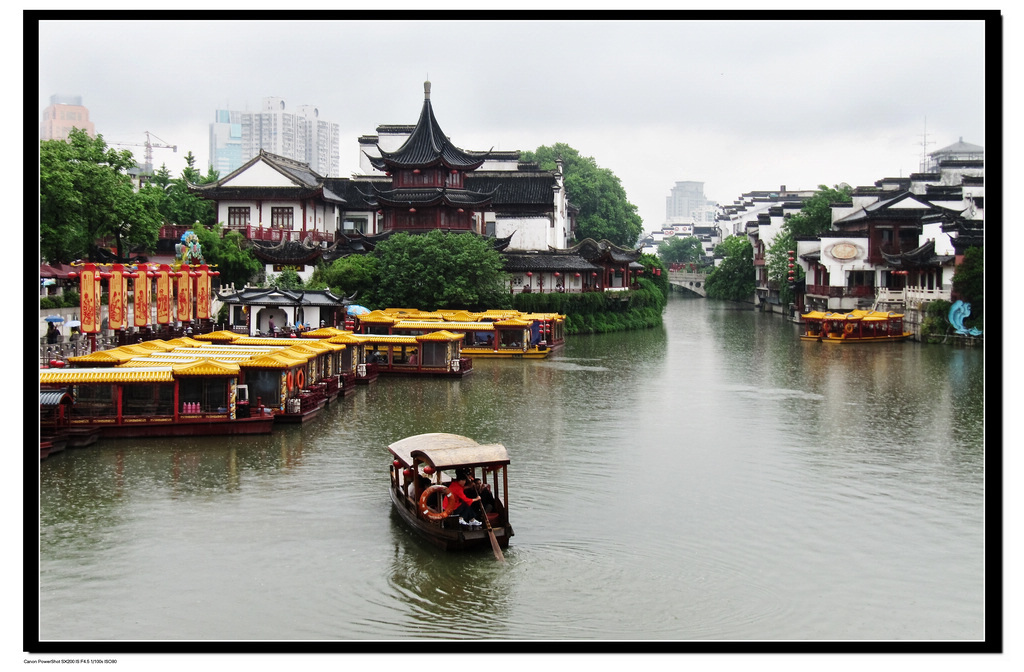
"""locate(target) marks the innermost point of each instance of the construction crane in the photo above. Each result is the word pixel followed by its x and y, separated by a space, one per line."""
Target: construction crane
pixel 147 167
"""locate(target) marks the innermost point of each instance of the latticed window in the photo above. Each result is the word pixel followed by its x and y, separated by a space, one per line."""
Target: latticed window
pixel 281 218
pixel 238 218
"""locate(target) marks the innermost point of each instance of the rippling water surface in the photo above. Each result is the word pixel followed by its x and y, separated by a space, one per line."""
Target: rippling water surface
pixel 716 479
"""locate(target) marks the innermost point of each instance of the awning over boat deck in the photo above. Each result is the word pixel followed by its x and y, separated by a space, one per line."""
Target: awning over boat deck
pixel 447 451
pixel 55 398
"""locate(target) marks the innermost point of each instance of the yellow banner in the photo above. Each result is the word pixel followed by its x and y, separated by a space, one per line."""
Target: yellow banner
pixel 163 294
pixel 142 290
pixel 184 293
pixel 90 295
pixel 203 293
pixel 115 297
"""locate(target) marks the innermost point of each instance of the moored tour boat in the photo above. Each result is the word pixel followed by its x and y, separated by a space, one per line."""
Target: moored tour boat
pixel 857 326
pixel 424 457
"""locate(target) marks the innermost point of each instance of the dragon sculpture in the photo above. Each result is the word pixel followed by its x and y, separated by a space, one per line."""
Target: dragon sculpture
pixel 958 312
pixel 188 251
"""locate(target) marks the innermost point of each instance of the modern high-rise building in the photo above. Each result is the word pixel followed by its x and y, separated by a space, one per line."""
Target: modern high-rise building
pixel 63 114
pixel 236 137
pixel 687 201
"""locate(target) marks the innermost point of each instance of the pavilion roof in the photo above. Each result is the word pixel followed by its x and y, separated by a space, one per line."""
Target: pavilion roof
pixel 428 146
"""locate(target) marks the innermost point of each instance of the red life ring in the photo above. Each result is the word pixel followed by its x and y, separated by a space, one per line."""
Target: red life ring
pixel 291 380
pixel 849 328
pixel 434 514
pixel 300 379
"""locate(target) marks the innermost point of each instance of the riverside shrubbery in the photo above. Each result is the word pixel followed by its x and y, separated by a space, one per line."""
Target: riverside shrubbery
pixel 599 312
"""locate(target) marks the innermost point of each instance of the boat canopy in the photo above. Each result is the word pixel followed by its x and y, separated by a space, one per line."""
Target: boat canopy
pixel 448 451
pixel 162 374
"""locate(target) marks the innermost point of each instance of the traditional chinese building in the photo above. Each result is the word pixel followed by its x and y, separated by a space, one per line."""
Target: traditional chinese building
pixel 428 181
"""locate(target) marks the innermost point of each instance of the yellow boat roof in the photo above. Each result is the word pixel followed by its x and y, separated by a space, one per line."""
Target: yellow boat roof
pixel 152 374
pixel 471 326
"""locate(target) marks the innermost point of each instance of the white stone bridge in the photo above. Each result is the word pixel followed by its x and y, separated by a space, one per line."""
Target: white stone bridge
pixel 692 282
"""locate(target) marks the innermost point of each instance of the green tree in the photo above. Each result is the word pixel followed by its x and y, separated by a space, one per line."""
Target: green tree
pixel 814 219
pixel 969 285
pixel 352 275
pixel 229 255
pixel 681 250
pixel 604 209
pixel 286 279
pixel 439 270
pixel 86 196
pixel 733 280
pixel 659 279
pixel 179 206
pixel 777 265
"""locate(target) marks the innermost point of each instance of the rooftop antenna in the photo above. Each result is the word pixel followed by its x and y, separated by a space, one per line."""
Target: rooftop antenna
pixel 924 146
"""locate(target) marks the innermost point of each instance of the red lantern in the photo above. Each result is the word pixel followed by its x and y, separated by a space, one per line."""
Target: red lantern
pixel 557 274
pixel 397 463
pixel 56 363
pixel 412 209
pixel 529 274
pixel 428 470
pixel 577 275
pixel 407 472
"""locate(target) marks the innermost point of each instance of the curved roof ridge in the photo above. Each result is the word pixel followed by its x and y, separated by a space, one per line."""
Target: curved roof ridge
pixel 427 145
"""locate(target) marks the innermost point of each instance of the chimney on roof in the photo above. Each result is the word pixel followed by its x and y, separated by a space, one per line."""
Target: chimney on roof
pixel 426 90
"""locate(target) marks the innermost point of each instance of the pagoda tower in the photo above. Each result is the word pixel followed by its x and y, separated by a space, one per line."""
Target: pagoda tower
pixel 428 181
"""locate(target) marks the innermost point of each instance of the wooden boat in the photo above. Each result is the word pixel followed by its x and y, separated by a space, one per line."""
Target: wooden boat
pixel 130 402
pixel 428 456
pixel 437 353
pixel 502 334
pixel 857 326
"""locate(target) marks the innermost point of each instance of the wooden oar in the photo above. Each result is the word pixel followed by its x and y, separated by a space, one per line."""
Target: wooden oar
pixel 494 540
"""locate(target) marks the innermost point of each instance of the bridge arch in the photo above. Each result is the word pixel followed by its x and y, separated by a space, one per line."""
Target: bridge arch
pixel 691 282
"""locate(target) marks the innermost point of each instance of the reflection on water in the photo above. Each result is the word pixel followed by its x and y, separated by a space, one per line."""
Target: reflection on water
pixel 715 478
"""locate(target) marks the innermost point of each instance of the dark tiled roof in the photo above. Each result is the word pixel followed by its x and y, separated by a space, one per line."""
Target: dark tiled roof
pixel 595 251
pixel 275 296
pixel 406 197
pixel 526 188
pixel 428 146
pixel 922 256
pixel 545 261
pixel 286 252
pixel 307 183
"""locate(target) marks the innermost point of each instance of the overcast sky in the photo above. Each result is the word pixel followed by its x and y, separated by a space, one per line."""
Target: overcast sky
pixel 739 106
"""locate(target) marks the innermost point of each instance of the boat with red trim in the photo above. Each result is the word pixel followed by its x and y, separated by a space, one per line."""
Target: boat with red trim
pixel 856 326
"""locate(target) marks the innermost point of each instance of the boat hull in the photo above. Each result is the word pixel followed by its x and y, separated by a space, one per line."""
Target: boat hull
pixel 298 418
pixel 486 353
pixel 850 340
pixel 449 535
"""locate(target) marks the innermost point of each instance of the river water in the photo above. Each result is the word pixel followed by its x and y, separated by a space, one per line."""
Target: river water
pixel 712 480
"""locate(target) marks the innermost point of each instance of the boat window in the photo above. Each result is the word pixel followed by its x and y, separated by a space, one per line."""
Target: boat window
pixel 149 399
pixel 93 401
pixel 433 353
